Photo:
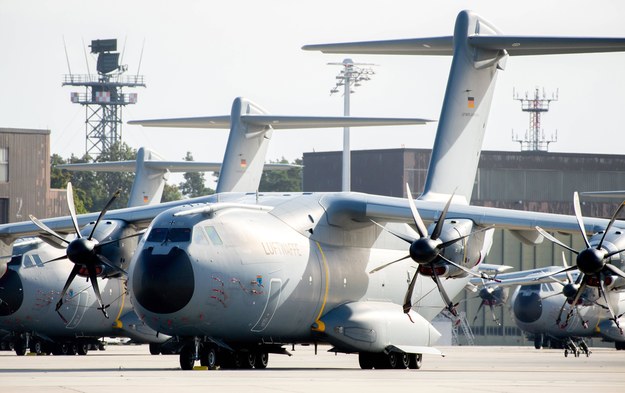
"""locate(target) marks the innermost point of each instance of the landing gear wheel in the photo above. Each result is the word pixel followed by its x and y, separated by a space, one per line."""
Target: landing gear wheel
pixel 247 359
pixel 366 360
pixel 187 357
pixel 208 357
pixel 394 360
pixel 416 361
pixel 37 348
pixel 155 349
pixel 566 353
pixel 20 350
pixel 404 361
pixel 82 349
pixel 538 341
pixel 262 359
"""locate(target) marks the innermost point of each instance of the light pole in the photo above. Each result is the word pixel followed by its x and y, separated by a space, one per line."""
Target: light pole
pixel 352 74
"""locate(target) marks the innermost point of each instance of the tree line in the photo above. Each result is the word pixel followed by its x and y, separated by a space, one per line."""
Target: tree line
pixel 92 190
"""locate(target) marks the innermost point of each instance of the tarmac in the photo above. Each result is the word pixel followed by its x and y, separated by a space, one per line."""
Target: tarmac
pixel 126 368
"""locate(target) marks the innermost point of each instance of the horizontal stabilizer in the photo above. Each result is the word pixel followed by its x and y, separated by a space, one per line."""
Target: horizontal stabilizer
pixel 525 45
pixel 282 122
pixel 443 46
pixel 187 122
pixel 170 166
pixel 604 194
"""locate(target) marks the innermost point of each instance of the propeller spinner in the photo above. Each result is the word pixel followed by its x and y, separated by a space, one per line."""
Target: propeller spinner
pixel 84 252
pixel 426 249
pixel 592 263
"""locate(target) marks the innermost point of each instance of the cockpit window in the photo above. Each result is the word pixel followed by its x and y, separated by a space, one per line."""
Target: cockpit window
pixel 213 235
pixel 162 235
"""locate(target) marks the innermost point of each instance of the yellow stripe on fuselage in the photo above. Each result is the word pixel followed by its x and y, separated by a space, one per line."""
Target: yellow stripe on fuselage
pixel 327 281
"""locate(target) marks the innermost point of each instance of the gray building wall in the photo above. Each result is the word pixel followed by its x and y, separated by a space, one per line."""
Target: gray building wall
pixel 534 181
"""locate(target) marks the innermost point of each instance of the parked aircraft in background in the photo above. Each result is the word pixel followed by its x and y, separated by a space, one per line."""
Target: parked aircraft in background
pixel 237 276
pixel 31 289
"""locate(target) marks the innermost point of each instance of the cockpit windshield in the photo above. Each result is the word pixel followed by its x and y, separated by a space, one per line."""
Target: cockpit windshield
pixel 175 235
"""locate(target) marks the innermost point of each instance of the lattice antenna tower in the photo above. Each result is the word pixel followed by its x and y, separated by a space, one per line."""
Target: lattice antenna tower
pixel 351 75
pixel 103 97
pixel 535 139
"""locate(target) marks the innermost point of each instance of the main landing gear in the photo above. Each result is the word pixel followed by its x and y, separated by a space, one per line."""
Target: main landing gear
pixel 576 347
pixel 392 360
pixel 212 357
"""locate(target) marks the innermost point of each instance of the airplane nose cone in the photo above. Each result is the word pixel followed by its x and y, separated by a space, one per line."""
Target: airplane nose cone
pixel 163 284
pixel 11 292
pixel 528 308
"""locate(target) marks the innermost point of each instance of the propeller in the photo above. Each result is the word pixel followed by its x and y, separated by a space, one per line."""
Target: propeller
pixel 592 263
pixel 425 249
pixel 84 252
pixel 492 296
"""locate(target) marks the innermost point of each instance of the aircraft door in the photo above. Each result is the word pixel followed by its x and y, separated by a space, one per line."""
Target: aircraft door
pixel 275 287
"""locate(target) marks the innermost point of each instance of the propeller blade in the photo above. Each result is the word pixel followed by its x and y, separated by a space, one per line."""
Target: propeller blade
pixel 408 297
pixel 103 212
pixel 615 270
pixel 94 283
pixel 398 235
pixel 556 241
pixel 438 228
pixel 566 266
pixel 581 289
pixel 56 259
pixel 70 278
pixel 441 289
pixel 387 264
pixel 578 216
pixel 52 241
pixel 72 208
pixel 608 255
pixel 558 272
pixel 140 233
pixel 450 242
pixel 492 312
pixel 478 311
pixel 421 228
pixel 607 303
pixel 46 229
pixel 559 319
pixel 610 224
pixel 469 271
pixel 108 263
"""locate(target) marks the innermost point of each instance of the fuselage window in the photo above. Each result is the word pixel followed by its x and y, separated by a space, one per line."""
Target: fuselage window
pixel 177 235
pixel 213 235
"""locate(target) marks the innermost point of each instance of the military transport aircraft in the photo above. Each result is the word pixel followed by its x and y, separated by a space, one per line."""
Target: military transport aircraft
pixel 237 276
pixel 30 287
pixel 562 306
pixel 240 276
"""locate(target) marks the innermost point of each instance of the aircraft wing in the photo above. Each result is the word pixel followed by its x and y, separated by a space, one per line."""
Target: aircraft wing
pixel 524 277
pixel 354 208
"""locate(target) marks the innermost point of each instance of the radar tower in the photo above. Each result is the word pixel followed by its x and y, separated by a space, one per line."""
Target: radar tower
pixel 103 97
pixel 535 139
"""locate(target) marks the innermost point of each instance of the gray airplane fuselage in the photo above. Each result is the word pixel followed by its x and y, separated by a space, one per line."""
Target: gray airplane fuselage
pixel 29 289
pixel 536 307
pixel 270 272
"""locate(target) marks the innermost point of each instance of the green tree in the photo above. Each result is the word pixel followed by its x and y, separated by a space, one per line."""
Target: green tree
pixel 289 180
pixel 193 184
pixel 171 193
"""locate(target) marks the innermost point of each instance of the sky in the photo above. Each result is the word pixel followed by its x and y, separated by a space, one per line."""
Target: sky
pixel 197 56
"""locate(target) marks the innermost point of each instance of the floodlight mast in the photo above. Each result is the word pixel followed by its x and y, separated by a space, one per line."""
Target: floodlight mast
pixel 352 74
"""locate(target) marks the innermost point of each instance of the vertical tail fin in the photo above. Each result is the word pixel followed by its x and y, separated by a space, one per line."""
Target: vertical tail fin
pixel 479 51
